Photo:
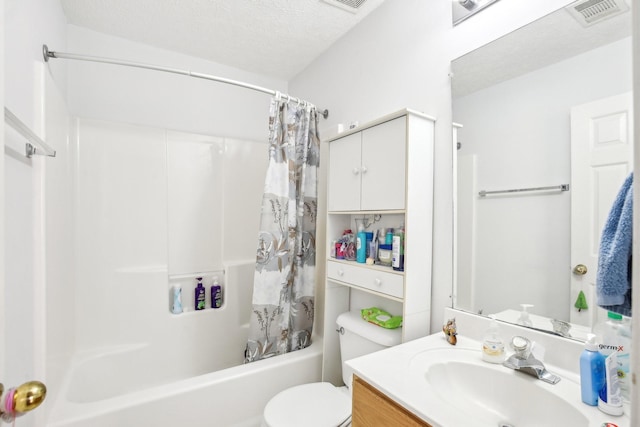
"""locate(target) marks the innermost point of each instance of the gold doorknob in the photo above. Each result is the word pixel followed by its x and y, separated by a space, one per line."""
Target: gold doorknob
pixel 580 269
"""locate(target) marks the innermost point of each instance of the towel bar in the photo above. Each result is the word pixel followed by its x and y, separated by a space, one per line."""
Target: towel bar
pixel 562 187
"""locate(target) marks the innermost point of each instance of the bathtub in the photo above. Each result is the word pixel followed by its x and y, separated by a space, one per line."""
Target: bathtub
pixel 231 397
pixel 187 373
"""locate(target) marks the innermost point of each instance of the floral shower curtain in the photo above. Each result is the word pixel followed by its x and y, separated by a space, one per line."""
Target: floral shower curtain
pixel 283 286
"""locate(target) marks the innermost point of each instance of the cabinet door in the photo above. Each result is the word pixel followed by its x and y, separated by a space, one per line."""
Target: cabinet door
pixel 372 408
pixel 344 173
pixel 384 151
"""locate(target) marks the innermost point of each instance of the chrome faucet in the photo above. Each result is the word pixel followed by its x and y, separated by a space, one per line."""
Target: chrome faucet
pixel 522 360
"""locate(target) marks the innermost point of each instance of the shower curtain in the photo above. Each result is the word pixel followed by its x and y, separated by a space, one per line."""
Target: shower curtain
pixel 283 286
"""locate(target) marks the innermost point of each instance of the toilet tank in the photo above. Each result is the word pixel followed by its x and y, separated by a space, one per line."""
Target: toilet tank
pixel 359 337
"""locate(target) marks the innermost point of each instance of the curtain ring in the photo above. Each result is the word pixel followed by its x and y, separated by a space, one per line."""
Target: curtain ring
pixel 288 98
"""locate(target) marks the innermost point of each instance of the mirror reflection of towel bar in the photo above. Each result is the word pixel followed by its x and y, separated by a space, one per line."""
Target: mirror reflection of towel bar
pixel 562 187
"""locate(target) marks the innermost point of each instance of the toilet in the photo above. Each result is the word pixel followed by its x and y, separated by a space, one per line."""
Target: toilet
pixel 322 404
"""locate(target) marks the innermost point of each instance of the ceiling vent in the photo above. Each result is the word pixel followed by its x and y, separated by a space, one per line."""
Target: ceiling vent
pixel 589 12
pixel 348 5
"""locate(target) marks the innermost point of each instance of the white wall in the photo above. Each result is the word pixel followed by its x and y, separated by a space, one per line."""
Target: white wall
pixel 168 101
pixel 519 131
pixel 3 341
pixel 399 56
pixel 28 24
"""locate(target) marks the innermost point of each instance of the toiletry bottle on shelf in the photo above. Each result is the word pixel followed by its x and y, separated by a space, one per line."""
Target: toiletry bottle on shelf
pixel 361 245
pixel 216 294
pixel 388 238
pixel 199 295
pixel 493 344
pixel 176 304
pixel 369 240
pixel 397 251
pixel 591 371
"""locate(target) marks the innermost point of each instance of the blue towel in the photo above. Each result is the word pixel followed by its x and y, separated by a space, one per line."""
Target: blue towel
pixel 613 281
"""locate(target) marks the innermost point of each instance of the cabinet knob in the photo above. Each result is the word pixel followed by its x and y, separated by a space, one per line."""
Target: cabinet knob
pixel 378 282
pixel 356 171
pixel 340 273
pixel 364 169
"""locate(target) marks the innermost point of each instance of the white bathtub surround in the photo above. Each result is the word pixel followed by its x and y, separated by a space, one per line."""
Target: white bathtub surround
pixel 134 187
pixel 284 284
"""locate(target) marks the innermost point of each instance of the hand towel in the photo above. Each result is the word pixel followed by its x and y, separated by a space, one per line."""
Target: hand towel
pixel 613 279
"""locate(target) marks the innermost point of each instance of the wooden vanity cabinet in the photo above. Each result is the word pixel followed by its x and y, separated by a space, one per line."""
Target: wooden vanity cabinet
pixel 372 408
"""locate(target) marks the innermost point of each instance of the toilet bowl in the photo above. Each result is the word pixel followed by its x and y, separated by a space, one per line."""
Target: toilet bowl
pixel 314 405
pixel 322 404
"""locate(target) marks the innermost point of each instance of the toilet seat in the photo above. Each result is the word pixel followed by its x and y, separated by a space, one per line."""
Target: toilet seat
pixel 311 405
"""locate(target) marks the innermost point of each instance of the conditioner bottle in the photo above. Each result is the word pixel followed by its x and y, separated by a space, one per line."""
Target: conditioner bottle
pixel 216 294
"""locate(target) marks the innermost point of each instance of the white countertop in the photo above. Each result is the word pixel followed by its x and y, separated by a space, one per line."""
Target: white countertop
pixel 397 373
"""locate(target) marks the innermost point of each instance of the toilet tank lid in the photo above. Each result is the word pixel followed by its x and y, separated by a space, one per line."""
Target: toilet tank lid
pixel 354 323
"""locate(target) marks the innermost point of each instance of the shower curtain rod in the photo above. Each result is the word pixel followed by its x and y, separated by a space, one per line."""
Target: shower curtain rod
pixel 46 53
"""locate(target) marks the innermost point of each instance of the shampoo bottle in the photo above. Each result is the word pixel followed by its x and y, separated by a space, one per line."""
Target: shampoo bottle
pixel 216 294
pixel 361 245
pixel 388 238
pixel 199 295
pixel 397 249
pixel 176 305
pixel 591 371
pixel 493 345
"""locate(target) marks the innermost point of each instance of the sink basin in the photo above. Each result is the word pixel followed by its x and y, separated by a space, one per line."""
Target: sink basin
pixel 494 395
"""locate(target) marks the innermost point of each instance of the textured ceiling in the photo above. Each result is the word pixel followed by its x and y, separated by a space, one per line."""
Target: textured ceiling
pixel 277 38
pixel 550 39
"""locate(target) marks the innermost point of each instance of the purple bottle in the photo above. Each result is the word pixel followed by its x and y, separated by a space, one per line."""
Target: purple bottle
pixel 199 295
pixel 216 294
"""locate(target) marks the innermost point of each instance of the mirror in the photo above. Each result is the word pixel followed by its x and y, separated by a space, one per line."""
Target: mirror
pixel 515 99
pixel 464 9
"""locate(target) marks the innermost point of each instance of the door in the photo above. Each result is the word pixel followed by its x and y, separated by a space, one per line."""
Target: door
pixel 601 159
pixel 384 149
pixel 344 173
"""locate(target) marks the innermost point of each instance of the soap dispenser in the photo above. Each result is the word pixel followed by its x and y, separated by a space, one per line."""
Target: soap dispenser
pixel 524 318
pixel 492 344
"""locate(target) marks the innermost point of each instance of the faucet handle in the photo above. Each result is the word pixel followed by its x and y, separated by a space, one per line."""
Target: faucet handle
pixel 521 346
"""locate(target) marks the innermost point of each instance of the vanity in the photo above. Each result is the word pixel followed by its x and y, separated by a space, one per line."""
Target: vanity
pixel 428 382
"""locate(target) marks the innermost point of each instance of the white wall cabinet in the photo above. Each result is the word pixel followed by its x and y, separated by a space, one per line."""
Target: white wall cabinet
pixel 368 169
pixel 382 171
